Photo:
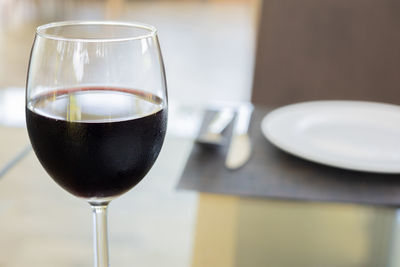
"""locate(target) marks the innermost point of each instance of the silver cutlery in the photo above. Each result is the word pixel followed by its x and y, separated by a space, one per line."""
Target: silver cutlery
pixel 240 146
pixel 213 133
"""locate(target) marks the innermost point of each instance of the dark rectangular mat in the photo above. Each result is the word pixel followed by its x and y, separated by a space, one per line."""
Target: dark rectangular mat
pixel 272 173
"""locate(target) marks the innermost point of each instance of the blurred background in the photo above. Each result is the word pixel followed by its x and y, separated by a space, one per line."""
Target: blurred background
pixel 207 45
pixel 208 48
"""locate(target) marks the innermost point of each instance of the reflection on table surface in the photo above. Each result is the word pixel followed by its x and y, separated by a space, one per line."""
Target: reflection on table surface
pixel 154 224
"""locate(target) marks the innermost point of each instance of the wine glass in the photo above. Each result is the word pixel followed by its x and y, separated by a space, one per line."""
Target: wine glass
pixel 96 110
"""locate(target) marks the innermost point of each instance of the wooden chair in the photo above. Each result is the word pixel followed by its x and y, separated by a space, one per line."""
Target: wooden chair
pixel 327 49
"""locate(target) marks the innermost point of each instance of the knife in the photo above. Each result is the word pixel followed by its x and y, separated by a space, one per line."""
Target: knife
pixel 239 150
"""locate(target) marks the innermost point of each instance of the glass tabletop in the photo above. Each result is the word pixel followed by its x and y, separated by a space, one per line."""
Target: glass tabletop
pixel 155 224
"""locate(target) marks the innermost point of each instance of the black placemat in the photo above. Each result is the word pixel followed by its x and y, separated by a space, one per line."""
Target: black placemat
pixel 273 173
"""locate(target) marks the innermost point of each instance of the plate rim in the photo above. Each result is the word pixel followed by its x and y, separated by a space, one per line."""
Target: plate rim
pixel 304 155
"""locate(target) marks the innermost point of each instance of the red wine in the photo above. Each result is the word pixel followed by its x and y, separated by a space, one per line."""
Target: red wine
pixel 97 142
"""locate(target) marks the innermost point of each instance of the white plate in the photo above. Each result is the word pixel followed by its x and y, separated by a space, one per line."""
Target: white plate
pixel 355 135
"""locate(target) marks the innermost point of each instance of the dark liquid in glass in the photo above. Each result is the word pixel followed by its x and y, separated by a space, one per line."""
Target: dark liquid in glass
pixel 97 142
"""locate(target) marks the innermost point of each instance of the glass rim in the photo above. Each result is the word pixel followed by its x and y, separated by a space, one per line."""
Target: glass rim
pixel 40 31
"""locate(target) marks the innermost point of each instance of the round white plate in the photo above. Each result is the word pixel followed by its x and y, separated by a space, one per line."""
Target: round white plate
pixel 355 135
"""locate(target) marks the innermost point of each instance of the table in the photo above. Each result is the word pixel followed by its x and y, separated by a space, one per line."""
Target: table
pixel 42 225
pixel 155 225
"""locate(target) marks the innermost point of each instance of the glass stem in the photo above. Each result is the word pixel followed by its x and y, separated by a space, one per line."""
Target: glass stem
pixel 100 235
